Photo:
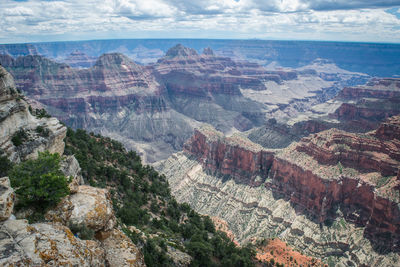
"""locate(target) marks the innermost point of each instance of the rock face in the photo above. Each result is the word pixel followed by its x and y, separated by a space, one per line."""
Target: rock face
pixel 154 109
pixel 16 121
pixel 332 178
pixel 235 157
pixel 70 168
pixel 7 198
pixel 89 206
pixel 374 102
pixel 46 244
pixel 78 59
pixel 120 251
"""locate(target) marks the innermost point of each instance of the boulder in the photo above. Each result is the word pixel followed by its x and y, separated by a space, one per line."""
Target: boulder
pixel 120 251
pixel 89 206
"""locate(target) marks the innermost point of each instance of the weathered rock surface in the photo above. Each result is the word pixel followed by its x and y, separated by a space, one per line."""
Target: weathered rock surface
pixel 52 243
pixel 236 157
pixel 46 244
pixel 180 259
pixel 15 118
pixel 89 206
pixel 7 198
pixel 256 212
pixel 120 251
pixel 71 169
pixel 78 59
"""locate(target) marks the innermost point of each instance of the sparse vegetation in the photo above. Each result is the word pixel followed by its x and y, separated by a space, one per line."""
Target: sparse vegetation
pixel 81 231
pixel 19 137
pixel 41 113
pixel 42 131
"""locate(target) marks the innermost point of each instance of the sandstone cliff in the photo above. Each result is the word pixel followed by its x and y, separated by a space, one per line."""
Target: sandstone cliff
pixel 344 188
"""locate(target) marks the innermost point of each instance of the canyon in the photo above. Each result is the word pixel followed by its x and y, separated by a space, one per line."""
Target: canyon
pixel 325 182
pixel 326 195
pixel 306 154
pixel 154 109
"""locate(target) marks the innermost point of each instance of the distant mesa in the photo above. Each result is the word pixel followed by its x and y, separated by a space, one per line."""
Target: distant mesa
pixel 78 59
pixel 180 51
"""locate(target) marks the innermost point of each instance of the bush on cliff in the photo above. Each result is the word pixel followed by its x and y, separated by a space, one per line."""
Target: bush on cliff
pixel 39 183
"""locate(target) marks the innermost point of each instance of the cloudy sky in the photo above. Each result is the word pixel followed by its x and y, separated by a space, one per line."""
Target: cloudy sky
pixel 340 20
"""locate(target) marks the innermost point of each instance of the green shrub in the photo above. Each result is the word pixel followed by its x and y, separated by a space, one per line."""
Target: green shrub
pixel 19 137
pixel 42 131
pixel 39 183
pixel 82 231
pixel 5 166
pixel 41 113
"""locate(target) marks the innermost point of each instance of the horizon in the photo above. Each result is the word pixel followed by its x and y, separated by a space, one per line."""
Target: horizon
pixel 211 39
pixel 38 21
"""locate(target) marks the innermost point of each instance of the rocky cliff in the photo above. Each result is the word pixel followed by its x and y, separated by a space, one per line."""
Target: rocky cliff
pixel 22 134
pixel 336 182
pixel 154 109
pixel 51 243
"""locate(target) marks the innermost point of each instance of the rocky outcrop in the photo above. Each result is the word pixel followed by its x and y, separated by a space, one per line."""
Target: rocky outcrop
pixel 78 59
pixel 257 212
pixel 355 109
pixel 120 251
pixel 42 244
pixel 378 100
pixel 71 169
pixel 23 135
pixel 89 206
pixel 7 198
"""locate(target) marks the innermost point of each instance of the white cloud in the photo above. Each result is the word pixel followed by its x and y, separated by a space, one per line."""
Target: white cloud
pixel 36 20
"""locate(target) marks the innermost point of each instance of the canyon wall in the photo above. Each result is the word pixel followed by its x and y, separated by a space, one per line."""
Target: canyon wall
pixel 153 109
pixel 330 178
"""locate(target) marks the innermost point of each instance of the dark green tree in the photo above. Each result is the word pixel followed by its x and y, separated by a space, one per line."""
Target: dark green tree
pixel 39 183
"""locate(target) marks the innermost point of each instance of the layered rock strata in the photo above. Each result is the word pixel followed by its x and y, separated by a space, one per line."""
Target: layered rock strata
pixel 23 135
pixel 153 109
pixel 339 182
pixel 354 109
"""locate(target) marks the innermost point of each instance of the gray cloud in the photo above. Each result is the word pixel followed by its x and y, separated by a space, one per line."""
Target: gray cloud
pixel 38 20
pixel 323 5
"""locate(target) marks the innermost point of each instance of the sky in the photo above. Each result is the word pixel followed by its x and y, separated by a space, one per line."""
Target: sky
pixel 329 20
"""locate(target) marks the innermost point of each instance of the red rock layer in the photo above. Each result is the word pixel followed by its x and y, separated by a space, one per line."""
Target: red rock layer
pixel 186 72
pixel 365 153
pixel 317 195
pixel 228 157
